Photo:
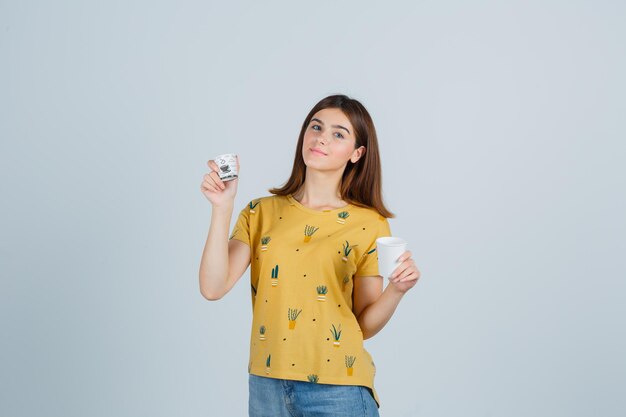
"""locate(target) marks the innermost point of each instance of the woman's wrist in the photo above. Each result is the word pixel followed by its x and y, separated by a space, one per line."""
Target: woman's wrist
pixel 223 208
pixel 394 290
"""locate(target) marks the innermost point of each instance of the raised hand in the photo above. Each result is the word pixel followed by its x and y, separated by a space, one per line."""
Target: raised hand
pixel 218 192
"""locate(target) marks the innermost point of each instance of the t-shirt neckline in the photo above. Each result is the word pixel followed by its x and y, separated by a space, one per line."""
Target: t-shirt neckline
pixel 299 205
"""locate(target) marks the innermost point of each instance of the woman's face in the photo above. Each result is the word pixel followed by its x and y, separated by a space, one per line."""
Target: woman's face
pixel 329 141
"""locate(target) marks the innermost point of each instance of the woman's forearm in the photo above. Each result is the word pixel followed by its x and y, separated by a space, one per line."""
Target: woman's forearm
pixel 374 317
pixel 214 262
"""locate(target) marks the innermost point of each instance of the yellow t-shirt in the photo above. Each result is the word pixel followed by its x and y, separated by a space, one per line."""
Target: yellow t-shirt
pixel 303 263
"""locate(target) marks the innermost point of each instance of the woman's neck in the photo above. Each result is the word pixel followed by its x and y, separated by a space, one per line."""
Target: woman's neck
pixel 320 192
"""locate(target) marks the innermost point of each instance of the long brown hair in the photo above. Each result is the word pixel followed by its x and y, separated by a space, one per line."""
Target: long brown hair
pixel 361 183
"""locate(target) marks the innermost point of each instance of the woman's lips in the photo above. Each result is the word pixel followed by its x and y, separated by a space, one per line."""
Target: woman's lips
pixel 318 152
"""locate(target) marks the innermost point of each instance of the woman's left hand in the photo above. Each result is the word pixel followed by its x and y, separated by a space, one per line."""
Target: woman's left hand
pixel 405 276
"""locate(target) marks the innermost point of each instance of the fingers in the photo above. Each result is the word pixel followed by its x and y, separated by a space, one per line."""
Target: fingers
pixel 214 174
pixel 213 182
pixel 406 255
pixel 206 186
pixel 406 271
pixel 216 178
pixel 399 272
pixel 210 185
pixel 413 276
pixel 212 165
pixel 407 275
pixel 410 274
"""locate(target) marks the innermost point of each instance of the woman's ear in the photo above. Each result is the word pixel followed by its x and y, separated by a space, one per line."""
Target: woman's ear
pixel 357 154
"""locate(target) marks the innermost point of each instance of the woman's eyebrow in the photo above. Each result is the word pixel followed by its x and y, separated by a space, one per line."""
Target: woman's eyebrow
pixel 339 126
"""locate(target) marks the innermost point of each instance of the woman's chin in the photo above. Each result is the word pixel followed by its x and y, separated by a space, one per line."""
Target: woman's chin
pixel 311 163
pixel 319 168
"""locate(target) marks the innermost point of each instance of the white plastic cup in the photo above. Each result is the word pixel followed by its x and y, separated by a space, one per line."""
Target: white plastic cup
pixel 389 250
pixel 227 166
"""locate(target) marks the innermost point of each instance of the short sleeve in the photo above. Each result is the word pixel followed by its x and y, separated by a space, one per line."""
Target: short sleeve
pixel 368 264
pixel 241 231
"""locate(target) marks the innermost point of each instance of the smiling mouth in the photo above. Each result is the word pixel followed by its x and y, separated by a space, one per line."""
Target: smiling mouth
pixel 318 152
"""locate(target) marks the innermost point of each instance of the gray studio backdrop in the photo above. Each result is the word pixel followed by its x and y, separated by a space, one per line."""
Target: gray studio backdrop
pixel 501 128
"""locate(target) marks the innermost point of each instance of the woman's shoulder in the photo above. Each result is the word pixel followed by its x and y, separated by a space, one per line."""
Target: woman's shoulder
pixel 269 198
pixel 267 202
pixel 368 213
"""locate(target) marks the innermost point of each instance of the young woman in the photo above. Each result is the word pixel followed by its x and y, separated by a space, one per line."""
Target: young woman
pixel 315 289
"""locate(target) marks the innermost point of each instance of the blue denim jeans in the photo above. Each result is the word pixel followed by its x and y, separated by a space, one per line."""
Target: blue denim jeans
pixel 274 397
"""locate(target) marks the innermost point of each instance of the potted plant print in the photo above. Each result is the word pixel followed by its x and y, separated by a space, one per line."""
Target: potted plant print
pixel 346 251
pixel 322 290
pixel 342 217
pixel 275 276
pixel 293 315
pixel 308 232
pixel 336 335
pixel 349 364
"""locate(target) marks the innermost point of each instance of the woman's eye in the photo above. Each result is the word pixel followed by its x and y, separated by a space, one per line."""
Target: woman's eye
pixel 314 126
pixel 340 135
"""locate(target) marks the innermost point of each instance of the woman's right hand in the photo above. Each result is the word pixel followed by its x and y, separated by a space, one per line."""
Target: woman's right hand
pixel 218 192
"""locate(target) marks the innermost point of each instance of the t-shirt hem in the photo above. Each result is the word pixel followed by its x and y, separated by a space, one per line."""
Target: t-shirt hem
pixel 241 240
pixel 372 273
pixel 326 380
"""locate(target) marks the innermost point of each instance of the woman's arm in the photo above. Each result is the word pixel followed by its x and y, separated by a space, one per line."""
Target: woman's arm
pixel 223 262
pixel 372 306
